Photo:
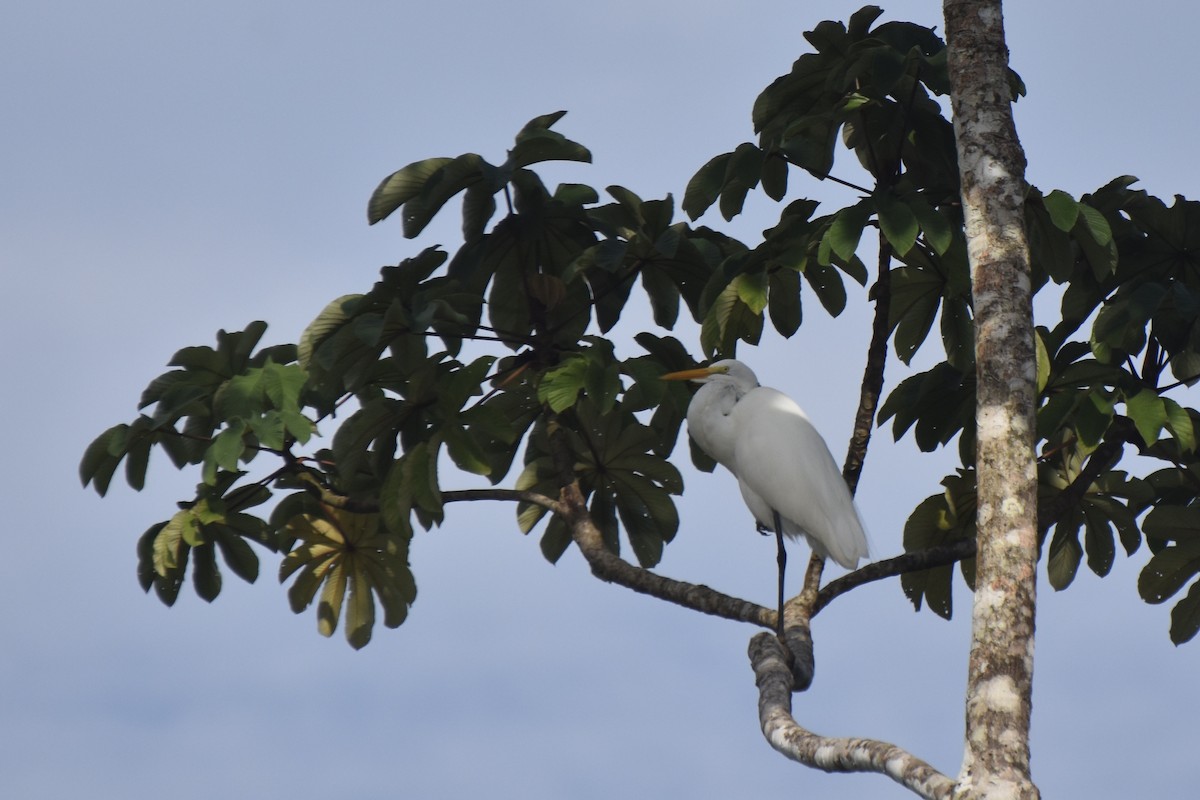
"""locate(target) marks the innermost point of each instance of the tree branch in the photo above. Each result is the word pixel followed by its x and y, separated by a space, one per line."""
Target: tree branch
pixel 774 680
pixel 313 485
pixel 909 562
pixel 609 567
pixel 872 381
pixel 518 495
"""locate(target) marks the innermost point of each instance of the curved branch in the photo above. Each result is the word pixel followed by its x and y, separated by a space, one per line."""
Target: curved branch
pixel 335 499
pixel 519 495
pixel 609 567
pixel 909 562
pixel 773 678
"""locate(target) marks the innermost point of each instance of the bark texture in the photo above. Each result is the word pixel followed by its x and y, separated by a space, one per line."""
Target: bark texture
pixel 773 676
pixel 992 168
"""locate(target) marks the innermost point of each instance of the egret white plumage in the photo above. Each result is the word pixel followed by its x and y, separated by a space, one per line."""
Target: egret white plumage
pixel 787 475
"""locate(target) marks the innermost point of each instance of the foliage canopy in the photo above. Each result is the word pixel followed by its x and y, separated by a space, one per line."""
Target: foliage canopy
pixel 500 349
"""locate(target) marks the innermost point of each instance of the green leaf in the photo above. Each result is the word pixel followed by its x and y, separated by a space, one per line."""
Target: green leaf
pixel 774 176
pixel 783 300
pixel 304 588
pixel 1179 423
pixel 844 233
pixel 555 540
pixel 958 333
pixel 1172 523
pixel 826 283
pixel 206 577
pixel 169 544
pixel 447 181
pixel 400 187
pixel 898 223
pixel 331 318
pixel 1122 321
pixel 560 387
pixel 1149 414
pixel 479 206
pixel 937 229
pixel 238 555
pixel 1092 417
pixel 360 615
pixel 927 527
pixel 227 449
pixel 1095 240
pixel 329 610
pixel 752 290
pixel 1096 224
pixel 1168 570
pixel 283 384
pixel 546 145
pixel 1063 209
pixel 100 461
pixel 1043 362
pixel 1065 555
pixel 742 175
pixel 916 297
pixel 705 186
pixel 1185 616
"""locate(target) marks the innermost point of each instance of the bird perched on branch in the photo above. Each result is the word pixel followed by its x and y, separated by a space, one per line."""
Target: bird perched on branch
pixel 787 475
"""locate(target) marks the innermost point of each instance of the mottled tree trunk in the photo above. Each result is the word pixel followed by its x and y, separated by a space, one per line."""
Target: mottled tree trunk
pixel 992 166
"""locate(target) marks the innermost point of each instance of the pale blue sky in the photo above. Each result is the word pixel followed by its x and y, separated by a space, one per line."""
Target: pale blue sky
pixel 172 169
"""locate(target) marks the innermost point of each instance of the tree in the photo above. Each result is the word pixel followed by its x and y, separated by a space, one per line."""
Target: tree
pixel 560 264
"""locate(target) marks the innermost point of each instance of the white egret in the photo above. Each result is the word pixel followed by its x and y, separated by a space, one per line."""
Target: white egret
pixel 787 475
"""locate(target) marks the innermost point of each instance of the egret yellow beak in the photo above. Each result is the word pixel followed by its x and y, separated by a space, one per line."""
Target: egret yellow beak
pixel 687 374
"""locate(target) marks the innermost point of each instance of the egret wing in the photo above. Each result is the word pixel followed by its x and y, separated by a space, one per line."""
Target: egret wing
pixel 784 465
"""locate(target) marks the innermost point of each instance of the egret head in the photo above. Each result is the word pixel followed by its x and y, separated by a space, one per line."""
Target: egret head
pixel 727 369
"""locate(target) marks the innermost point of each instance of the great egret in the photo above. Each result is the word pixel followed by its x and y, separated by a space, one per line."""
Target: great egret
pixel 787 475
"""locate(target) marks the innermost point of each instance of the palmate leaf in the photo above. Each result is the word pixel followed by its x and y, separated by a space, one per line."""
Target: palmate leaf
pixel 937 520
pixel 195 534
pixel 730 319
pixel 348 556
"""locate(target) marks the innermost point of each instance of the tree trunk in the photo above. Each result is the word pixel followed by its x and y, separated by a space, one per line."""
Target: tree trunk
pixel 992 167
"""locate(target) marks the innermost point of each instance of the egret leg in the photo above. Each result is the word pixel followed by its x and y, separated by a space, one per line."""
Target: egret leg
pixel 781 559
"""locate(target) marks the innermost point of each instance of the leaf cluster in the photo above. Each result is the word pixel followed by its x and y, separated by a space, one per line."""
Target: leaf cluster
pixel 462 361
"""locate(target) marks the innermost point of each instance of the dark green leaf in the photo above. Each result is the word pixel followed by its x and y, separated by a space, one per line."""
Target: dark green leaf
pixel 1065 555
pixel 844 233
pixel 447 181
pixel 705 186
pixel 898 223
pixel 1168 570
pixel 1173 523
pixel 400 187
pixel 783 301
pixel 206 576
pixel 99 461
pixel 1185 616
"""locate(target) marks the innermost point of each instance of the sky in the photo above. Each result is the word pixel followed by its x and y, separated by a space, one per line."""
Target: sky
pixel 172 169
